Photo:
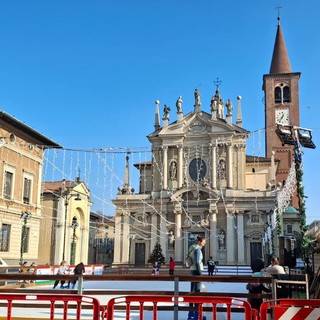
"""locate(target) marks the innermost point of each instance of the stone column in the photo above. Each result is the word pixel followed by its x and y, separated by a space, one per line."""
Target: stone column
pixel 154 233
pixel 230 167
pixel 230 245
pixel 242 166
pixel 213 231
pixel 214 166
pixel 240 238
pixel 85 235
pixel 58 248
pixel 163 233
pixel 125 238
pixel 165 168
pixel 117 239
pixel 178 246
pixel 180 167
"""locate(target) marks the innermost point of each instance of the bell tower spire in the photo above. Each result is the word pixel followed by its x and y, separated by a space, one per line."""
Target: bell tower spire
pixel 280 60
pixel 281 97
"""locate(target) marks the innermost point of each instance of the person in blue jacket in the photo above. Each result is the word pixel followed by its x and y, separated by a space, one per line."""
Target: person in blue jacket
pixel 195 251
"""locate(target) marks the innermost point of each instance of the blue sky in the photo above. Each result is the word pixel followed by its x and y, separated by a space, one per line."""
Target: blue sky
pixel 86 73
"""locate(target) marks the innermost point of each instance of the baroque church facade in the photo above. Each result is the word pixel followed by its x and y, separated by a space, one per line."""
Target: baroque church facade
pixel 201 182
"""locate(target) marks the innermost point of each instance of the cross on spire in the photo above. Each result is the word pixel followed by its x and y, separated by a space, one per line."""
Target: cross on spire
pixel 217 83
pixel 278 8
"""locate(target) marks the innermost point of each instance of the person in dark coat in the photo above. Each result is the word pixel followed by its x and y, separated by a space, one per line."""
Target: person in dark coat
pixel 211 266
pixel 257 265
pixel 253 287
pixel 79 269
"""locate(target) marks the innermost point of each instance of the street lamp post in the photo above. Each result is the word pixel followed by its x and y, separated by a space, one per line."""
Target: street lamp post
pixel 25 216
pixel 74 226
pixel 67 197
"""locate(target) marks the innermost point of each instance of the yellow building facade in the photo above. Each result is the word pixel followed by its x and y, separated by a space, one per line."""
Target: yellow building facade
pixel 65 222
pixel 21 154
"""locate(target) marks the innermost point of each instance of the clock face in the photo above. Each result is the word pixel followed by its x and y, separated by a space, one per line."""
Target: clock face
pixel 197 169
pixel 282 116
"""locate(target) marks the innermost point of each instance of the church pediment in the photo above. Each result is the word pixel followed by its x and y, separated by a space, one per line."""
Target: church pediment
pixel 203 124
pixel 82 188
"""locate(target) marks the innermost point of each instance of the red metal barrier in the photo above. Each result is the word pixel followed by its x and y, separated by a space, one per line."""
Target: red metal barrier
pixel 151 303
pixel 61 306
pixel 293 309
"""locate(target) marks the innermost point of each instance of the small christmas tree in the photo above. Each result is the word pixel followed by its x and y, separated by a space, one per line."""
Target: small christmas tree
pixel 156 255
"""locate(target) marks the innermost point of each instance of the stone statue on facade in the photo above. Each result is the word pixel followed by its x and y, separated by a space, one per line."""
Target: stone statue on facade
pixel 214 105
pixel 229 107
pixel 166 112
pixel 179 104
pixel 171 239
pixel 173 170
pixel 197 97
pixel 221 238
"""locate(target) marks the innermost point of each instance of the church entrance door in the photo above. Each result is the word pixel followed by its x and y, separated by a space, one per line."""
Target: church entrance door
pixel 140 253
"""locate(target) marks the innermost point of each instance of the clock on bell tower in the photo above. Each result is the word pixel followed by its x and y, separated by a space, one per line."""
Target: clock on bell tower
pixel 281 89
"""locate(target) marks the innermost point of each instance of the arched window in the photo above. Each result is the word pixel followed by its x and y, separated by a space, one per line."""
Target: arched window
pixel 277 95
pixel 282 93
pixel 286 94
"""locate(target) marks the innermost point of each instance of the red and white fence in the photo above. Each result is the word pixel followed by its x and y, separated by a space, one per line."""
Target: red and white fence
pixel 49 306
pixel 139 306
pixel 291 309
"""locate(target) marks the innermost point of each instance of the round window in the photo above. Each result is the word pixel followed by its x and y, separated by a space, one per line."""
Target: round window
pixel 197 169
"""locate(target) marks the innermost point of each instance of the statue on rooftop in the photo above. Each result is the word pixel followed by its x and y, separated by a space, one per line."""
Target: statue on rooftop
pixel 229 107
pixel 197 97
pixel 179 104
pixel 166 111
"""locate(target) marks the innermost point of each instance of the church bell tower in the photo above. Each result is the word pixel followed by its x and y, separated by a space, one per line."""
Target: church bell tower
pixel 281 88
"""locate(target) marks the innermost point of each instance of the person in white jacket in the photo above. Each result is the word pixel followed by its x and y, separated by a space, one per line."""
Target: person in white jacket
pixel 63 268
pixel 275 267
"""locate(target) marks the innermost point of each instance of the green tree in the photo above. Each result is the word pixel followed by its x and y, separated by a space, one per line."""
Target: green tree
pixel 157 255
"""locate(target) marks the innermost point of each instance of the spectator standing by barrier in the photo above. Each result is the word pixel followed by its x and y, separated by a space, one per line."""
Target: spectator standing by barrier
pixel 195 251
pixel 78 270
pixel 172 265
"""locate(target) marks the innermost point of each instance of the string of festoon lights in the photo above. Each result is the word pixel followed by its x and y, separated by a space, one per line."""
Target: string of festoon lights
pixel 284 197
pixel 102 170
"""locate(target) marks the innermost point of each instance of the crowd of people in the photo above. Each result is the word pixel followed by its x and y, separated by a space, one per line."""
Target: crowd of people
pixel 63 269
pixel 259 270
